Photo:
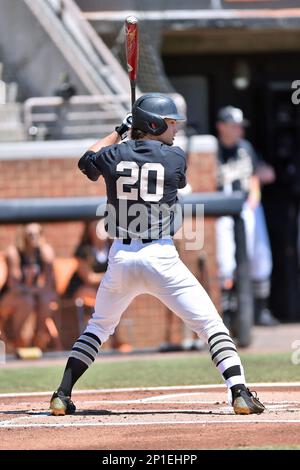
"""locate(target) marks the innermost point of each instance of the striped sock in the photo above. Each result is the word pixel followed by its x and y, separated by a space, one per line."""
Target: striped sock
pixel 81 357
pixel 86 348
pixel 226 359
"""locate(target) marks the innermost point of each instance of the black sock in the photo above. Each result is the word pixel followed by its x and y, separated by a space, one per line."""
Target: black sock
pixel 81 357
pixel 73 371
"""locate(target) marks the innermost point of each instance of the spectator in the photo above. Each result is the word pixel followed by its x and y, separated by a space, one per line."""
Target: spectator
pixel 92 255
pixel 30 288
pixel 237 170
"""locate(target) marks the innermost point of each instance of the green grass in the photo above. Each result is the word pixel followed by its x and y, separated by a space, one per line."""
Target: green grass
pixel 159 371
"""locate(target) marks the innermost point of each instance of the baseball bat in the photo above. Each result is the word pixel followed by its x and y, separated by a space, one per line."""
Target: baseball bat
pixel 132 51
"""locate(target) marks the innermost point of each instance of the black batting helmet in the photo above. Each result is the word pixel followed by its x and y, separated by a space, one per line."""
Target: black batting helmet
pixel 149 112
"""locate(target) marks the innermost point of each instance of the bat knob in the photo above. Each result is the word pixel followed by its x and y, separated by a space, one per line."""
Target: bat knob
pixel 131 19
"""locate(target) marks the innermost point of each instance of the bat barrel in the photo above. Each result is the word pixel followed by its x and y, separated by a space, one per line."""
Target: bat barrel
pixel 132 51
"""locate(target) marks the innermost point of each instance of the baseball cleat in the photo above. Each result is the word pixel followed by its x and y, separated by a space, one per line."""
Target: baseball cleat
pixel 245 403
pixel 61 405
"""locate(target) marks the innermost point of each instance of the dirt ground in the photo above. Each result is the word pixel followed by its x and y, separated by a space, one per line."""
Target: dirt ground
pixel 170 418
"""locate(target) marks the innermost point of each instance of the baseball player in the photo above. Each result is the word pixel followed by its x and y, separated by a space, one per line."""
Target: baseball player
pixel 143 175
pixel 237 171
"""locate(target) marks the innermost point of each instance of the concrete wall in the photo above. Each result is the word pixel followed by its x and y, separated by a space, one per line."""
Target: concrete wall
pixel 29 55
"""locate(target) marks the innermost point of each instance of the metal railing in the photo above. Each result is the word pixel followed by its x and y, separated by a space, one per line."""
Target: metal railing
pixel 80 116
pixel 85 51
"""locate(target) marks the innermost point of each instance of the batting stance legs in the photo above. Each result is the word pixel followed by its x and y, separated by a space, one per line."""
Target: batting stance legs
pixel 154 268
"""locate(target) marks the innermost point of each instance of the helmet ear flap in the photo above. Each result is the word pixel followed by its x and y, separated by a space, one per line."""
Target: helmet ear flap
pixel 158 129
pixel 148 122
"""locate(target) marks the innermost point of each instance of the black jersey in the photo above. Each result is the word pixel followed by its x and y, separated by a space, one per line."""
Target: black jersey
pixel 142 178
pixel 236 165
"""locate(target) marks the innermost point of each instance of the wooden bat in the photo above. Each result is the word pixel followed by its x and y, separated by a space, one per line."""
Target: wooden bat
pixel 132 51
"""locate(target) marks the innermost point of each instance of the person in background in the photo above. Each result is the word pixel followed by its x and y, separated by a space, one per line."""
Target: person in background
pixel 30 288
pixel 92 255
pixel 238 171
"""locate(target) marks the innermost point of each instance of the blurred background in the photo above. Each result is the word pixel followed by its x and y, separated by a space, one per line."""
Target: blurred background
pixel 63 84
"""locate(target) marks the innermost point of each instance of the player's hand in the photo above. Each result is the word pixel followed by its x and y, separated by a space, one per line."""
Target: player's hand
pixel 128 120
pixel 123 129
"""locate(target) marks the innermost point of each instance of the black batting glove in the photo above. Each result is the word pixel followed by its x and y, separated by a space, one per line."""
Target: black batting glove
pixel 123 129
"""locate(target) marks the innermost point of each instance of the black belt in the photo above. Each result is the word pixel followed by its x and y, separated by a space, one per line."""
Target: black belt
pixel 127 241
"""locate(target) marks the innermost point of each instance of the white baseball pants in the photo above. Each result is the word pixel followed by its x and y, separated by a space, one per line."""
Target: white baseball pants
pixel 151 268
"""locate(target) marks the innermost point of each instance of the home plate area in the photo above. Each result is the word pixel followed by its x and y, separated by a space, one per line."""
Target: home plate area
pixel 191 417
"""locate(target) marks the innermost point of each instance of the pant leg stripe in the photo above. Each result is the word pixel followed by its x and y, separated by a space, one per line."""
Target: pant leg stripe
pixel 219 347
pixel 217 334
pixel 222 337
pixel 226 349
pixel 90 345
pixel 81 357
pixel 231 372
pixel 225 340
pixel 224 355
pixel 230 361
pixel 86 348
pixel 82 351
pixel 91 339
pixel 236 380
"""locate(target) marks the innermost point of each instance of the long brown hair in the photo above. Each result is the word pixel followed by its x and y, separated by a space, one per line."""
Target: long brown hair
pixel 136 134
pixel 86 233
pixel 21 236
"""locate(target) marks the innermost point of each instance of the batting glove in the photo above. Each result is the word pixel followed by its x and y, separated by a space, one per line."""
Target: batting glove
pixel 123 129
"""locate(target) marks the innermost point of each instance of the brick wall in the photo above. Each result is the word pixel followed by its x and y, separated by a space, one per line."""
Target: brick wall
pixel 144 323
pixel 47 178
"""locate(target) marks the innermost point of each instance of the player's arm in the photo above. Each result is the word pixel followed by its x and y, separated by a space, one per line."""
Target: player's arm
pixel 254 192
pixel 120 133
pixel 182 183
pixel 47 254
pixel 14 272
pixel 254 195
pixel 88 162
pixel 265 173
pixel 87 275
pixel 14 275
pixel 111 139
